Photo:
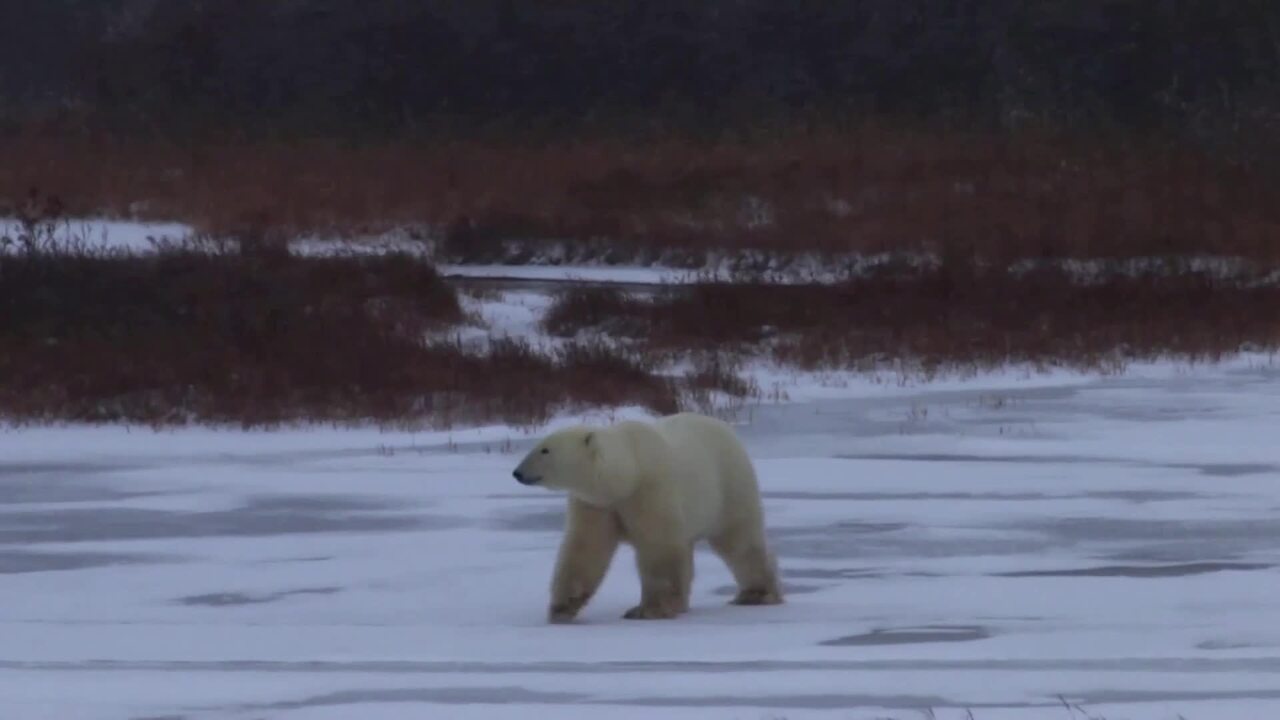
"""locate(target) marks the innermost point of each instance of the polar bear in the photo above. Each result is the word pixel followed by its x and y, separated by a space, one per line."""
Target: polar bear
pixel 661 486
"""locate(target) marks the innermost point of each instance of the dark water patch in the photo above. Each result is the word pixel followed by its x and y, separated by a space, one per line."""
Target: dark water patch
pixel 967 458
pixel 1136 496
pixel 314 504
pixel 1139 571
pixel 1136 541
pixel 260 517
pixel 303 559
pixel 863 528
pixel 437 696
pixel 14 562
pixel 31 489
pixel 535 520
pixel 1208 469
pixel 1177 551
pixel 1224 534
pixel 1119 697
pixel 520 695
pixel 891 496
pixel 912 636
pixel 1203 665
pixel 219 599
pixel 832 573
pixel 787 589
pixel 826 547
pixel 232 599
pixel 1133 496
pixel 1231 469
pixel 1223 645
pixel 849 540
pixel 10 470
pixel 1146 414
pixel 816 701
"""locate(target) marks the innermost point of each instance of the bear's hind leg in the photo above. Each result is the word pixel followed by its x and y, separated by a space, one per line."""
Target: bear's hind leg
pixel 591 539
pixel 752 565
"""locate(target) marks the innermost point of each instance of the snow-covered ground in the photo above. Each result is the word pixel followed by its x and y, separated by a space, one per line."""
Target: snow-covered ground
pixel 103 233
pixel 1042 547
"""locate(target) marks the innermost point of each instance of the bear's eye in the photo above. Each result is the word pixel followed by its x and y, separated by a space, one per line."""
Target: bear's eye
pixel 546 450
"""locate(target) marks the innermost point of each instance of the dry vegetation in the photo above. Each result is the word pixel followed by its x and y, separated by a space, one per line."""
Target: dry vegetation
pixel 256 336
pixel 953 316
pixel 867 188
pixel 189 335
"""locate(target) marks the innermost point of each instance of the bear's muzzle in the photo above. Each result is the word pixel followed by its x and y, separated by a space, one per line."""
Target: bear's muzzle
pixel 524 479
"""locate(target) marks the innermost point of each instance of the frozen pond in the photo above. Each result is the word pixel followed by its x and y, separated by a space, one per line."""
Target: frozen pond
pixel 1083 548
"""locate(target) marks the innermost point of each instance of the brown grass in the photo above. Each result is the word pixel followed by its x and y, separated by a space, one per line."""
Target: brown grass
pixel 955 316
pixel 261 339
pixel 604 310
pixel 606 376
pixel 869 188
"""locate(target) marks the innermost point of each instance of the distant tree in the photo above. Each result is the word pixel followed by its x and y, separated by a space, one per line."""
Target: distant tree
pixel 378 66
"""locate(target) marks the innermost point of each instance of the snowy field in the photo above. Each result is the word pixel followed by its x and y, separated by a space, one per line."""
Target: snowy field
pixel 1007 547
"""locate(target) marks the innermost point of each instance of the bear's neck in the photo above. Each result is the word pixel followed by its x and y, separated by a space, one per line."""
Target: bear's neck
pixel 613 484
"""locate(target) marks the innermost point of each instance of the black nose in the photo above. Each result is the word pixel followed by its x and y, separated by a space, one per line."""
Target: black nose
pixel 516 474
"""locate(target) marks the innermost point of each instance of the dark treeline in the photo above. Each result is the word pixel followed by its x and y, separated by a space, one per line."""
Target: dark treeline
pixel 377 66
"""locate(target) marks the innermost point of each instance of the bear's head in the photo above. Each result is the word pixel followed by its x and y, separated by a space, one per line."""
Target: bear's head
pixel 594 464
pixel 564 460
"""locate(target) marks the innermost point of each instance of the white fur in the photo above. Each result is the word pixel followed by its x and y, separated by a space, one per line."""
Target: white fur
pixel 663 487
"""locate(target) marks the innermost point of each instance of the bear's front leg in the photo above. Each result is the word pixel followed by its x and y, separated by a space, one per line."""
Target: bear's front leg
pixel 591 538
pixel 662 582
pixel 687 579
